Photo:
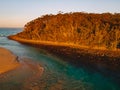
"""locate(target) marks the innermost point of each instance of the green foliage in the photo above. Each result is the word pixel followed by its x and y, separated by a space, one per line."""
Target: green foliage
pixel 89 29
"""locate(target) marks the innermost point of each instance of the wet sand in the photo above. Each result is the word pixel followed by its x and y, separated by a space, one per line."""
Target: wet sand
pixel 8 61
pixel 18 72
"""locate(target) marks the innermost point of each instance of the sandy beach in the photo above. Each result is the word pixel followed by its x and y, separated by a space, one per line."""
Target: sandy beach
pixel 8 61
pixel 24 71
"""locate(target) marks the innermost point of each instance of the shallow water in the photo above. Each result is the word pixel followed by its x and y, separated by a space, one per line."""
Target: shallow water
pixel 58 74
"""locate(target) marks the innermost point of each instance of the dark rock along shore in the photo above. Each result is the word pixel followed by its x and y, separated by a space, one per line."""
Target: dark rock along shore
pixel 103 61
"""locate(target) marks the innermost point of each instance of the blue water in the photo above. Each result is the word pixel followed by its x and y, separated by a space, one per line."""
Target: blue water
pixel 57 72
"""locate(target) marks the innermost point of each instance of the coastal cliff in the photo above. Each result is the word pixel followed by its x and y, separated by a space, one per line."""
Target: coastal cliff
pixel 101 31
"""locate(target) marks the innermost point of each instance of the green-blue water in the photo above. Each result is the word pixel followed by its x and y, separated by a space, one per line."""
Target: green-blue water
pixel 57 72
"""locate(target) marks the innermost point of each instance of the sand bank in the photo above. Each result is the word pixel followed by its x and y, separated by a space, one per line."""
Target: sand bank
pixel 8 61
pixel 24 71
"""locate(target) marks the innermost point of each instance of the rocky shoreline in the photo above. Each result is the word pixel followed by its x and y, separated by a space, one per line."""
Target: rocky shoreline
pixel 100 59
pixel 104 62
pixel 78 56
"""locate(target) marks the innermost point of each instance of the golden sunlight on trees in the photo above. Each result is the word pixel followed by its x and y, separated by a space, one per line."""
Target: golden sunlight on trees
pixel 88 29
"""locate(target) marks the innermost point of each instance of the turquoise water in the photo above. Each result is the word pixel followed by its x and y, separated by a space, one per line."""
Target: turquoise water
pixel 58 75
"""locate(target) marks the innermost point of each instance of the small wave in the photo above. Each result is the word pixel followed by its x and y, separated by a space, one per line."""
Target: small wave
pixel 2 35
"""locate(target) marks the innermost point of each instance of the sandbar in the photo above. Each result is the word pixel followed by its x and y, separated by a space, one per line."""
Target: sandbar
pixel 8 61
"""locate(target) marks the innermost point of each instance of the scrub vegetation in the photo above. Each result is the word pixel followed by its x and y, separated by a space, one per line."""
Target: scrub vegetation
pixel 84 29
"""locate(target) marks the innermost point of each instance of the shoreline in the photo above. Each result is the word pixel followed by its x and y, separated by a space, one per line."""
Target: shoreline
pixel 8 61
pixel 25 75
pixel 70 45
pixel 22 70
pixel 102 60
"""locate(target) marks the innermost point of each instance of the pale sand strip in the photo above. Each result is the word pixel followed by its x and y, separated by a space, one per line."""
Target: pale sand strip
pixel 8 61
pixel 72 45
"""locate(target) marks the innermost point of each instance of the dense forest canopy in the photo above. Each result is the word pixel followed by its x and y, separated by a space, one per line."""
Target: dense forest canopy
pixel 87 29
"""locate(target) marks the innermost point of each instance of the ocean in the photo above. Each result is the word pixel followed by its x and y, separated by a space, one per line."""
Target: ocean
pixel 58 74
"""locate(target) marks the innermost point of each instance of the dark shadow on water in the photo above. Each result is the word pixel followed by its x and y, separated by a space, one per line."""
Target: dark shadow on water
pixel 106 66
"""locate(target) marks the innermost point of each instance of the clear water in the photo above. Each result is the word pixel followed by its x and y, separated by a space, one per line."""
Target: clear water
pixel 58 75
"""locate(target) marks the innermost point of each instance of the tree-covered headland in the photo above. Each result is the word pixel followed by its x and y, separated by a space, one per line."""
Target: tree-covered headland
pixel 85 29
